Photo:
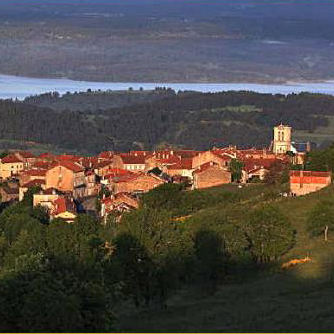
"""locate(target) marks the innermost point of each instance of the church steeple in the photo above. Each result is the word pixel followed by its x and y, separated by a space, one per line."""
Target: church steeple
pixel 282 139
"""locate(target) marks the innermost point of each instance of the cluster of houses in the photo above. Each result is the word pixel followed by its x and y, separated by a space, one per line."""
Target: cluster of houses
pixel 63 181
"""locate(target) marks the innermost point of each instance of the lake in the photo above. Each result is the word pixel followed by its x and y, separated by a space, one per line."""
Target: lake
pixel 12 87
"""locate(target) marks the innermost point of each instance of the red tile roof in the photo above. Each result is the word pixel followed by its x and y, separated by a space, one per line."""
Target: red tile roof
pixel 132 159
pixel 33 183
pixel 10 159
pixel 26 154
pixel 74 167
pixel 205 167
pixel 61 205
pixel 106 155
pixel 35 172
pixel 309 173
pixel 67 157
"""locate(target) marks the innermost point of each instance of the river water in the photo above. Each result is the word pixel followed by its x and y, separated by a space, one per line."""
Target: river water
pixel 12 87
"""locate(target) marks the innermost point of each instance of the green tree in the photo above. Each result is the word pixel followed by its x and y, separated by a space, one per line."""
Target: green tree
pixel 236 167
pixel 29 196
pixel 210 255
pixel 167 197
pixel 270 234
pixel 321 219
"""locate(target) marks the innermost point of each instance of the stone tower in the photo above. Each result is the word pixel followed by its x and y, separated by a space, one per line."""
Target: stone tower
pixel 282 139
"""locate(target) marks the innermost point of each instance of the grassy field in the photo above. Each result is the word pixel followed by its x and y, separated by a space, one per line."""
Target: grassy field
pixel 298 299
pixel 321 134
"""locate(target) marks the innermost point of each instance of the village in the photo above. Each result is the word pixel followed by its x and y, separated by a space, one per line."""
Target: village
pixel 68 185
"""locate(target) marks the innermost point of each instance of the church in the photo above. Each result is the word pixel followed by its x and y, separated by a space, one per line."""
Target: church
pixel 282 144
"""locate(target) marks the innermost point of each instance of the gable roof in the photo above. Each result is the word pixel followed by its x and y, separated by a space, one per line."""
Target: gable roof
pixel 10 159
pixel 74 167
pixel 132 159
pixel 33 183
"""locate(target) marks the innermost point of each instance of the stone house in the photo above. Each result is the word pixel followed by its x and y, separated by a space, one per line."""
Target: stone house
pixel 45 198
pixel 27 157
pixel 9 192
pixel 63 208
pixel 133 163
pixel 215 156
pixel 67 176
pixel 120 203
pixel 210 175
pixel 136 183
pixel 306 182
pixel 31 174
pixel 10 166
pixel 31 184
pixel 92 187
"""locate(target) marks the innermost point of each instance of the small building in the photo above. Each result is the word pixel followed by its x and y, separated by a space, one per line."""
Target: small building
pixel 31 184
pixel 9 192
pixel 216 156
pixel 67 176
pixel 306 182
pixel 45 198
pixel 27 157
pixel 63 208
pixel 133 163
pixel 136 183
pixel 210 175
pixel 10 166
pixel 119 203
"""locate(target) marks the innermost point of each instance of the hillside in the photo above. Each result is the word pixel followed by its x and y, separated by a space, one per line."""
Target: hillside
pixel 297 299
pixel 186 120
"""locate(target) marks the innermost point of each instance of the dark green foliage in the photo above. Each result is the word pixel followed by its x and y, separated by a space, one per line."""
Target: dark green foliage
pixel 321 219
pixel 54 295
pixel 236 170
pixel 29 195
pixel 210 254
pixel 165 197
pixel 192 120
pixel 270 234
pixel 321 160
pixel 278 174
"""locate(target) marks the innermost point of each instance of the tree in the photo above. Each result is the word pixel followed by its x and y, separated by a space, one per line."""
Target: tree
pixel 210 255
pixel 29 195
pixel 236 167
pixel 321 219
pixel 166 197
pixel 270 234
pixel 278 173
pixel 135 266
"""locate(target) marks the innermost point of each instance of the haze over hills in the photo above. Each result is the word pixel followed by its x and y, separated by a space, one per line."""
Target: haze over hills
pixel 168 40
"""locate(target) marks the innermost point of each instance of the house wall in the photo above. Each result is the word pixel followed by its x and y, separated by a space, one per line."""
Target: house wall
pixel 59 178
pixel 208 156
pixel 211 177
pixel 143 183
pixel 306 185
pixel 9 169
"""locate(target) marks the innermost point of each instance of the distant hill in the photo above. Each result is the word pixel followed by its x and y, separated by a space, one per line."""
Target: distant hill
pixel 188 120
pixel 168 40
pixel 97 100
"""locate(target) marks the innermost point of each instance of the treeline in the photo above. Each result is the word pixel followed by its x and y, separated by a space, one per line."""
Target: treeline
pixel 97 100
pixel 189 120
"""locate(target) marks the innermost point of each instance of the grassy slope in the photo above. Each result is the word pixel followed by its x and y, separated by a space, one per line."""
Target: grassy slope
pixel 298 299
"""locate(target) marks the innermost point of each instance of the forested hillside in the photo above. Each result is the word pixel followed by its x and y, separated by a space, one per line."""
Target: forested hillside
pixel 195 120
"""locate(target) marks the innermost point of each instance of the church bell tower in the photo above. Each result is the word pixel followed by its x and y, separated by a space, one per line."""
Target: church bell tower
pixel 282 139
